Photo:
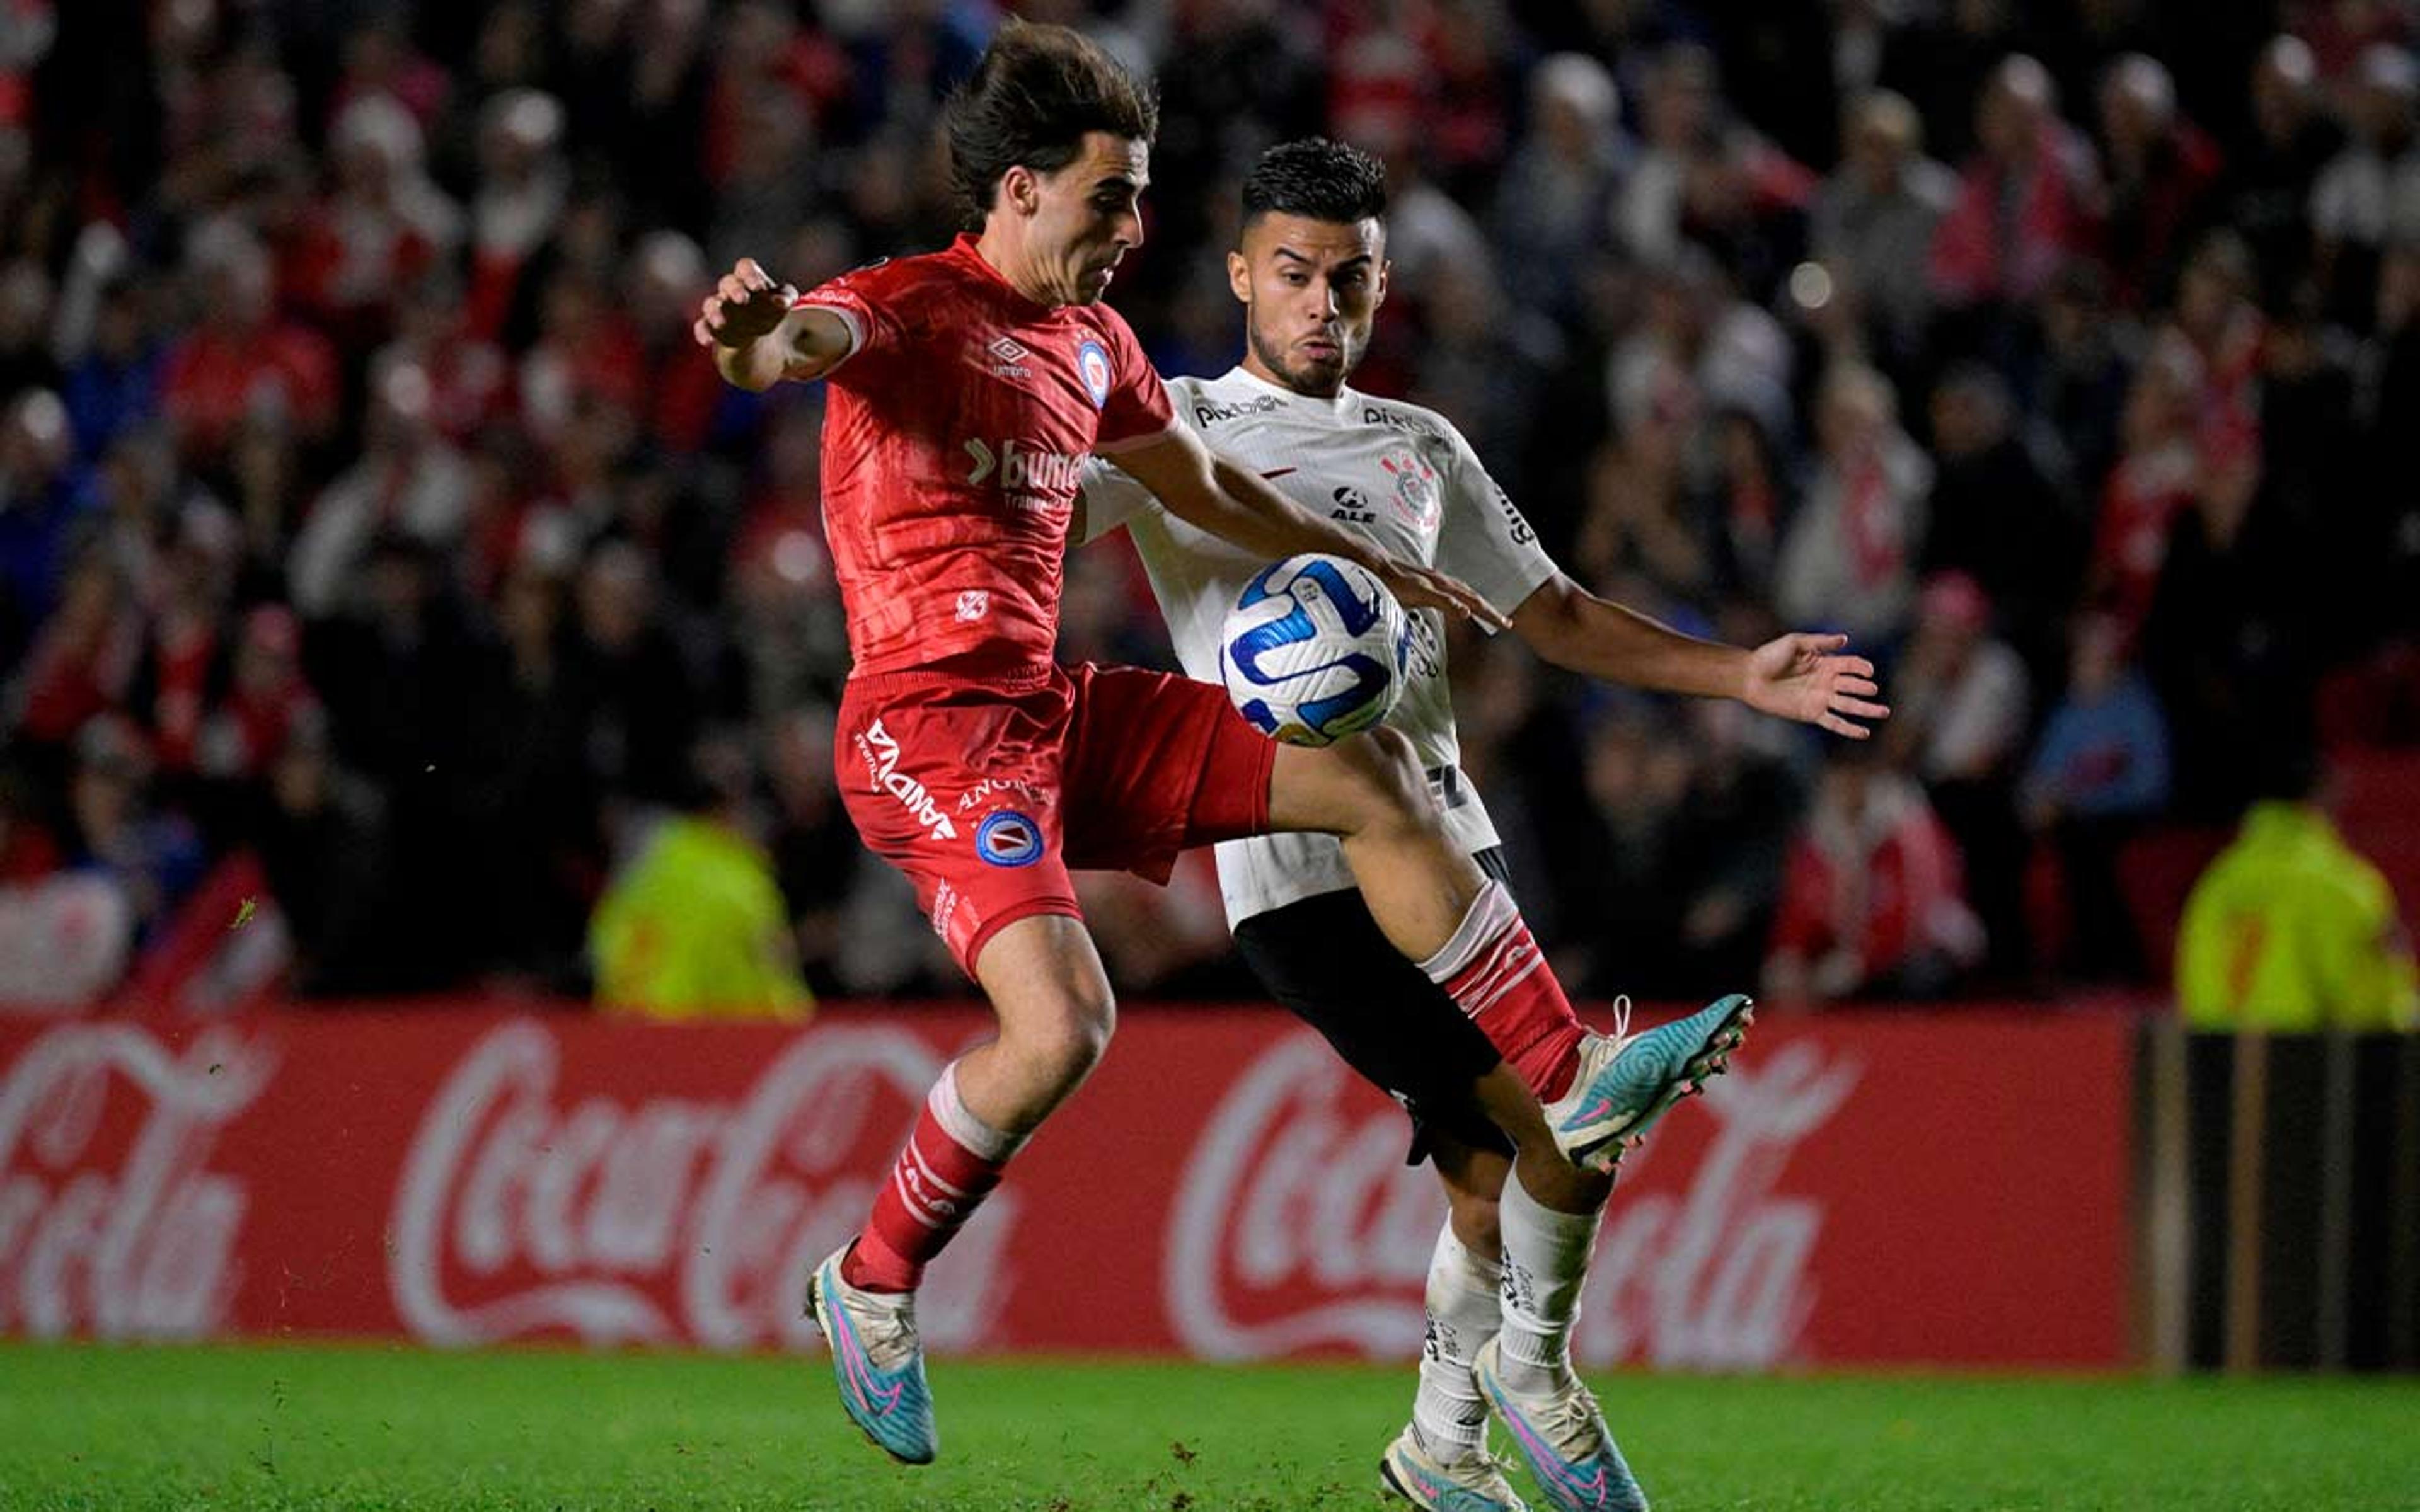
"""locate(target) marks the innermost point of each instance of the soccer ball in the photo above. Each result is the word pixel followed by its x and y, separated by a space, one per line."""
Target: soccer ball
pixel 1314 649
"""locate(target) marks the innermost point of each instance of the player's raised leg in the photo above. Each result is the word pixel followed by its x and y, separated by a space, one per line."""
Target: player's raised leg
pixel 1440 909
pixel 1055 1012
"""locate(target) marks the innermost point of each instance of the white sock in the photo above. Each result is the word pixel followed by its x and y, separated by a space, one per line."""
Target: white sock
pixel 1491 914
pixel 1449 1416
pixel 1545 1261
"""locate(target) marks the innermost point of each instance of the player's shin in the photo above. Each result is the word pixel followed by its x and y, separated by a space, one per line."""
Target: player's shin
pixel 1545 1263
pixel 950 1163
pixel 1449 1415
pixel 1494 970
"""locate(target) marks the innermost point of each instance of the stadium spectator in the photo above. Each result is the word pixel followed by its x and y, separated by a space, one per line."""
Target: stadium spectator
pixel 1873 899
pixel 2072 382
pixel 153 856
pixel 1964 704
pixel 42 494
pixel 2163 169
pixel 692 925
pixel 323 843
pixel 2099 772
pixel 2028 203
pixel 1874 220
pixel 1557 191
pixel 1850 558
pixel 1681 127
pixel 1997 516
pixel 2290 930
pixel 381 227
pixel 2386 523
pixel 114 384
pixel 244 358
pixel 2265 193
pixel 2369 197
pixel 2154 480
pixel 410 480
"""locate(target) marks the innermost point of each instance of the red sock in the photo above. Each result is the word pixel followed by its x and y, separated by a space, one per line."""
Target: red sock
pixel 934 1187
pixel 1494 971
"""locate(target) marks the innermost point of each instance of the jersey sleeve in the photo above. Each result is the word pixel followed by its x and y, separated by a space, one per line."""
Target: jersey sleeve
pixel 1137 411
pixel 1484 540
pixel 867 300
pixel 1112 497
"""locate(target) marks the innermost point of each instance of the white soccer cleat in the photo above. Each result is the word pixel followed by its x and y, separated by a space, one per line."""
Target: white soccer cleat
pixel 1563 1437
pixel 1473 1483
pixel 1625 1082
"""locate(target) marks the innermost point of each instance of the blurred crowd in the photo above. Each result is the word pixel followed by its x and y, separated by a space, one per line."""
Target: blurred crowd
pixel 393 600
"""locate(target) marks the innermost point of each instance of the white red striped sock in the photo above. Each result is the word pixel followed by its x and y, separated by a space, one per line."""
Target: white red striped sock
pixel 1492 969
pixel 950 1162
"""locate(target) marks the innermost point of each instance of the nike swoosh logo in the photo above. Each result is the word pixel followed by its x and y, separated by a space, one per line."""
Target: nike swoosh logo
pixel 859 1370
pixel 1281 472
pixel 1595 1111
pixel 860 1375
pixel 1544 1462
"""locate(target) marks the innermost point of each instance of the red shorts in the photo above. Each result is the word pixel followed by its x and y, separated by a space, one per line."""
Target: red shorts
pixel 987 794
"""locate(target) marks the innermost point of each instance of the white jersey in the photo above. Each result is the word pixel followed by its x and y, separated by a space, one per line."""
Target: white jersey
pixel 1400 473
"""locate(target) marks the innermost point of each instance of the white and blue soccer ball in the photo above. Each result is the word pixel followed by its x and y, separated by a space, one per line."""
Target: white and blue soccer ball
pixel 1314 649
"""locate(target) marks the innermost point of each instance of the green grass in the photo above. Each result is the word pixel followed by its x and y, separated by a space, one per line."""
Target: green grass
pixel 293 1427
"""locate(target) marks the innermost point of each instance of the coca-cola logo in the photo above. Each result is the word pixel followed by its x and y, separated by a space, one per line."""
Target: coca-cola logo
pixel 111 1221
pixel 664 1220
pixel 1296 1225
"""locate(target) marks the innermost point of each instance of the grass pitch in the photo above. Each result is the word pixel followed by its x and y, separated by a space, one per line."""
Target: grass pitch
pixel 293 1427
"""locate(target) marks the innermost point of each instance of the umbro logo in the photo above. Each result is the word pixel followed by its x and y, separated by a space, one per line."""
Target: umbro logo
pixel 1008 356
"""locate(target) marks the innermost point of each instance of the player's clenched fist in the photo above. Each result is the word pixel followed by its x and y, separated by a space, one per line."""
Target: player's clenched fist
pixel 745 305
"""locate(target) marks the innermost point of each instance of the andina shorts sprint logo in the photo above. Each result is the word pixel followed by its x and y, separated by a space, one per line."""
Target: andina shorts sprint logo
pixel 1007 838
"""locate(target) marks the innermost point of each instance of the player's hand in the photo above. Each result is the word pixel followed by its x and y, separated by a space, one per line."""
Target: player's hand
pixel 745 305
pixel 1418 587
pixel 1806 678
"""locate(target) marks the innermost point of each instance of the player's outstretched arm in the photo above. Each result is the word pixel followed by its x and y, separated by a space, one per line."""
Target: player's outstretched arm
pixel 1206 490
pixel 758 339
pixel 1808 678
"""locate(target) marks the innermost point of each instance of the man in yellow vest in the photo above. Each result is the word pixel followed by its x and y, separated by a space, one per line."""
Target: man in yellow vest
pixel 694 925
pixel 2290 930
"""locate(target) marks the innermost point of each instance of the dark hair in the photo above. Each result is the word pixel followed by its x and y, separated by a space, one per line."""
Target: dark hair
pixel 1318 179
pixel 1033 94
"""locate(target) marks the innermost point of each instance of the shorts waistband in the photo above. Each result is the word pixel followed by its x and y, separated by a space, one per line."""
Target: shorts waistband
pixel 912 679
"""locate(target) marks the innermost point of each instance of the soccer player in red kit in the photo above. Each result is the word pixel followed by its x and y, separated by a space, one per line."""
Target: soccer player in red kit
pixel 967 386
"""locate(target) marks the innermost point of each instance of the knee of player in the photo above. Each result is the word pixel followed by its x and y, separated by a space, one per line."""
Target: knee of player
pixel 1071 1041
pixel 1476 1222
pixel 1388 771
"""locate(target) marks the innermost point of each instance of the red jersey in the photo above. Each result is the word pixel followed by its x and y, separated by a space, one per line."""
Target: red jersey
pixel 953 441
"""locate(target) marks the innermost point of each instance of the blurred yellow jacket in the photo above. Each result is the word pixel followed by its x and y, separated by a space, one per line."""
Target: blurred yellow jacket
pixel 2290 930
pixel 694 927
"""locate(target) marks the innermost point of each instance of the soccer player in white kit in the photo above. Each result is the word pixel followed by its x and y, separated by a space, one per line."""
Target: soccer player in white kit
pixel 1505 1278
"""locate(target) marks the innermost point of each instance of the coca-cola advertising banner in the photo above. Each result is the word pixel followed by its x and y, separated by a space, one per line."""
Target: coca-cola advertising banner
pixel 1857 1191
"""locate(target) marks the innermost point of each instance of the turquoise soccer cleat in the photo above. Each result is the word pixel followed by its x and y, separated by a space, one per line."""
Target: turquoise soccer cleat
pixel 877 1361
pixel 1562 1437
pixel 1626 1083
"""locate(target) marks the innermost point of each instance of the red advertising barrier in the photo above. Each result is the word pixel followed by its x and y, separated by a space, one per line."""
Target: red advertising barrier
pixel 1859 1190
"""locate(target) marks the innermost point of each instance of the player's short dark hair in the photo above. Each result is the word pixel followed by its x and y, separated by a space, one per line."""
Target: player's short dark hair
pixel 1317 179
pixel 1033 94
